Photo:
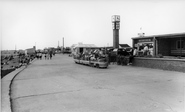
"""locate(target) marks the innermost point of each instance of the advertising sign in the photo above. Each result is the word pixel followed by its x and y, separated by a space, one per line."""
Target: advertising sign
pixel 145 40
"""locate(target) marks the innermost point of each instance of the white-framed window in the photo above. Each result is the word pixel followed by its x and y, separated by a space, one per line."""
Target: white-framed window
pixel 180 44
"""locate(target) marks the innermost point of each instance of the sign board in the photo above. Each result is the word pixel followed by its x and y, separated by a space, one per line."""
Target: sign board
pixel 145 40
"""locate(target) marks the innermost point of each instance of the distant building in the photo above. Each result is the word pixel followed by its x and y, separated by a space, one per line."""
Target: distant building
pixel 72 46
pixel 166 45
pixel 21 51
pixel 30 50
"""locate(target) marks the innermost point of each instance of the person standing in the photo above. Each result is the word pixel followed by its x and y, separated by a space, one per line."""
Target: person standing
pixel 50 54
pixel 151 51
pixel 45 55
pixel 133 54
pixel 145 50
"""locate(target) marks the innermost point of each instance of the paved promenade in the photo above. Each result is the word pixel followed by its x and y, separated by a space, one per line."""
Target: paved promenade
pixel 60 85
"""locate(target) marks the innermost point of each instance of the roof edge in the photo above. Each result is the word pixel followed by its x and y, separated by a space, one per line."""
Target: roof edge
pixel 161 35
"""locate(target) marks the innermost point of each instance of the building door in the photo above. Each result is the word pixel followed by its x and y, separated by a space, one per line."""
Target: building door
pixel 81 50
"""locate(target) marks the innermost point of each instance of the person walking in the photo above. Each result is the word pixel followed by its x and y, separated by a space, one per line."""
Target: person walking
pixel 45 56
pixel 50 54
pixel 40 55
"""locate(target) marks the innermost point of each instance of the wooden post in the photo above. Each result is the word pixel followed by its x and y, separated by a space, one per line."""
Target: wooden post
pixel 63 45
pixel 154 46
pixel 180 47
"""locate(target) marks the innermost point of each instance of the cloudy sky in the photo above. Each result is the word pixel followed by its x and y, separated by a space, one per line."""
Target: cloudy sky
pixel 25 23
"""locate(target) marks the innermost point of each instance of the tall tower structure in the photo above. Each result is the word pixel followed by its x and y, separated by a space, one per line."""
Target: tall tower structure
pixel 116 27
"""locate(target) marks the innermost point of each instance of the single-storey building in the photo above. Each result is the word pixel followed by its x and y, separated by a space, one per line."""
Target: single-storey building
pixel 30 50
pixel 166 44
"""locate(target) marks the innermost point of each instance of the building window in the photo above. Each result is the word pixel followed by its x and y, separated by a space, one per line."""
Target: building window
pixel 180 44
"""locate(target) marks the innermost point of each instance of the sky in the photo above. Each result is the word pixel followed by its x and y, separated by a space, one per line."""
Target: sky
pixel 44 23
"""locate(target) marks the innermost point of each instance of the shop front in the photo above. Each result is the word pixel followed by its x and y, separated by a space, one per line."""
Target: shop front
pixel 142 43
pixel 169 46
pixel 165 45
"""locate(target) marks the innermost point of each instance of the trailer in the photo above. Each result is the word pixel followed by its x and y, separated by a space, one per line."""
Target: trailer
pixel 96 63
pixel 81 55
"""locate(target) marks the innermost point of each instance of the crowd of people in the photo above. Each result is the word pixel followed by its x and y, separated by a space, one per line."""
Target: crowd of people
pixel 145 50
pixel 121 56
pixel 125 57
pixel 47 55
pixel 15 61
pixel 25 59
pixel 10 62
pixel 92 55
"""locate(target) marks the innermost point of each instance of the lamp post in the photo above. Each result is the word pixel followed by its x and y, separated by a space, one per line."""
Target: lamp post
pixel 63 45
pixel 180 47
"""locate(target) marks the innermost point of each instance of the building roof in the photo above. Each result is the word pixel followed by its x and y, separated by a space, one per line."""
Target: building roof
pixel 124 45
pixel 85 45
pixel 163 36
pixel 73 45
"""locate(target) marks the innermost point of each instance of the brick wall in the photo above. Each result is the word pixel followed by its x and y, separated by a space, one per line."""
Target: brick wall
pixel 160 63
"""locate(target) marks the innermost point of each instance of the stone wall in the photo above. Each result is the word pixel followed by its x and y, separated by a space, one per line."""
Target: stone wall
pixel 160 63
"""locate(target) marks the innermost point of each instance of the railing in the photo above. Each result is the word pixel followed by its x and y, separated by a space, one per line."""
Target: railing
pixel 178 52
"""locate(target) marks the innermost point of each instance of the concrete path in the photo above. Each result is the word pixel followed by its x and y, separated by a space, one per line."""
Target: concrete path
pixel 5 89
pixel 60 85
